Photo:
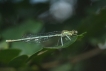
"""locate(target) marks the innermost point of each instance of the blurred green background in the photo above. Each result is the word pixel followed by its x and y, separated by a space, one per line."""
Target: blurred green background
pixel 19 17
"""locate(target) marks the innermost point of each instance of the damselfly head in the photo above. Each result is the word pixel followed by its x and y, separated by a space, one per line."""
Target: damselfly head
pixel 74 32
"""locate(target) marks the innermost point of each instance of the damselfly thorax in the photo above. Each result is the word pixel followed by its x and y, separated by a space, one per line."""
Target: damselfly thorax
pixel 53 39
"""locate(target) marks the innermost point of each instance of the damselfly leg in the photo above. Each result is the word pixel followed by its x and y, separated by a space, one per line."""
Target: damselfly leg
pixel 61 41
pixel 68 37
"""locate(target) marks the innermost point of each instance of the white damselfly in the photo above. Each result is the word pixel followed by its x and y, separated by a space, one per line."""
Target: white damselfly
pixel 64 35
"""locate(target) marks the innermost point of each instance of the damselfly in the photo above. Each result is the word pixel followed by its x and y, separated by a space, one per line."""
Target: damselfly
pixel 57 38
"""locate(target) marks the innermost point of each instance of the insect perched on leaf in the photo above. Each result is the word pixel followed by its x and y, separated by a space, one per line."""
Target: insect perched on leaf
pixel 54 39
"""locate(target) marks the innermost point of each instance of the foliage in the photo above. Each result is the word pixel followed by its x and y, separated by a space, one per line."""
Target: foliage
pixel 80 54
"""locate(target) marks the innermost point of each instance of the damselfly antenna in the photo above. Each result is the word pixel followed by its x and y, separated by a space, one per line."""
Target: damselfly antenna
pixel 64 33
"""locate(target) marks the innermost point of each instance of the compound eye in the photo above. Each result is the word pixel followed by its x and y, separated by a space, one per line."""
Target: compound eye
pixel 76 32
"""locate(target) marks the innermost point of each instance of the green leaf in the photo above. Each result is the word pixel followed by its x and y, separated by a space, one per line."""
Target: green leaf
pixel 18 61
pixel 8 54
pixel 81 35
pixel 27 48
pixel 4 45
pixel 29 26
